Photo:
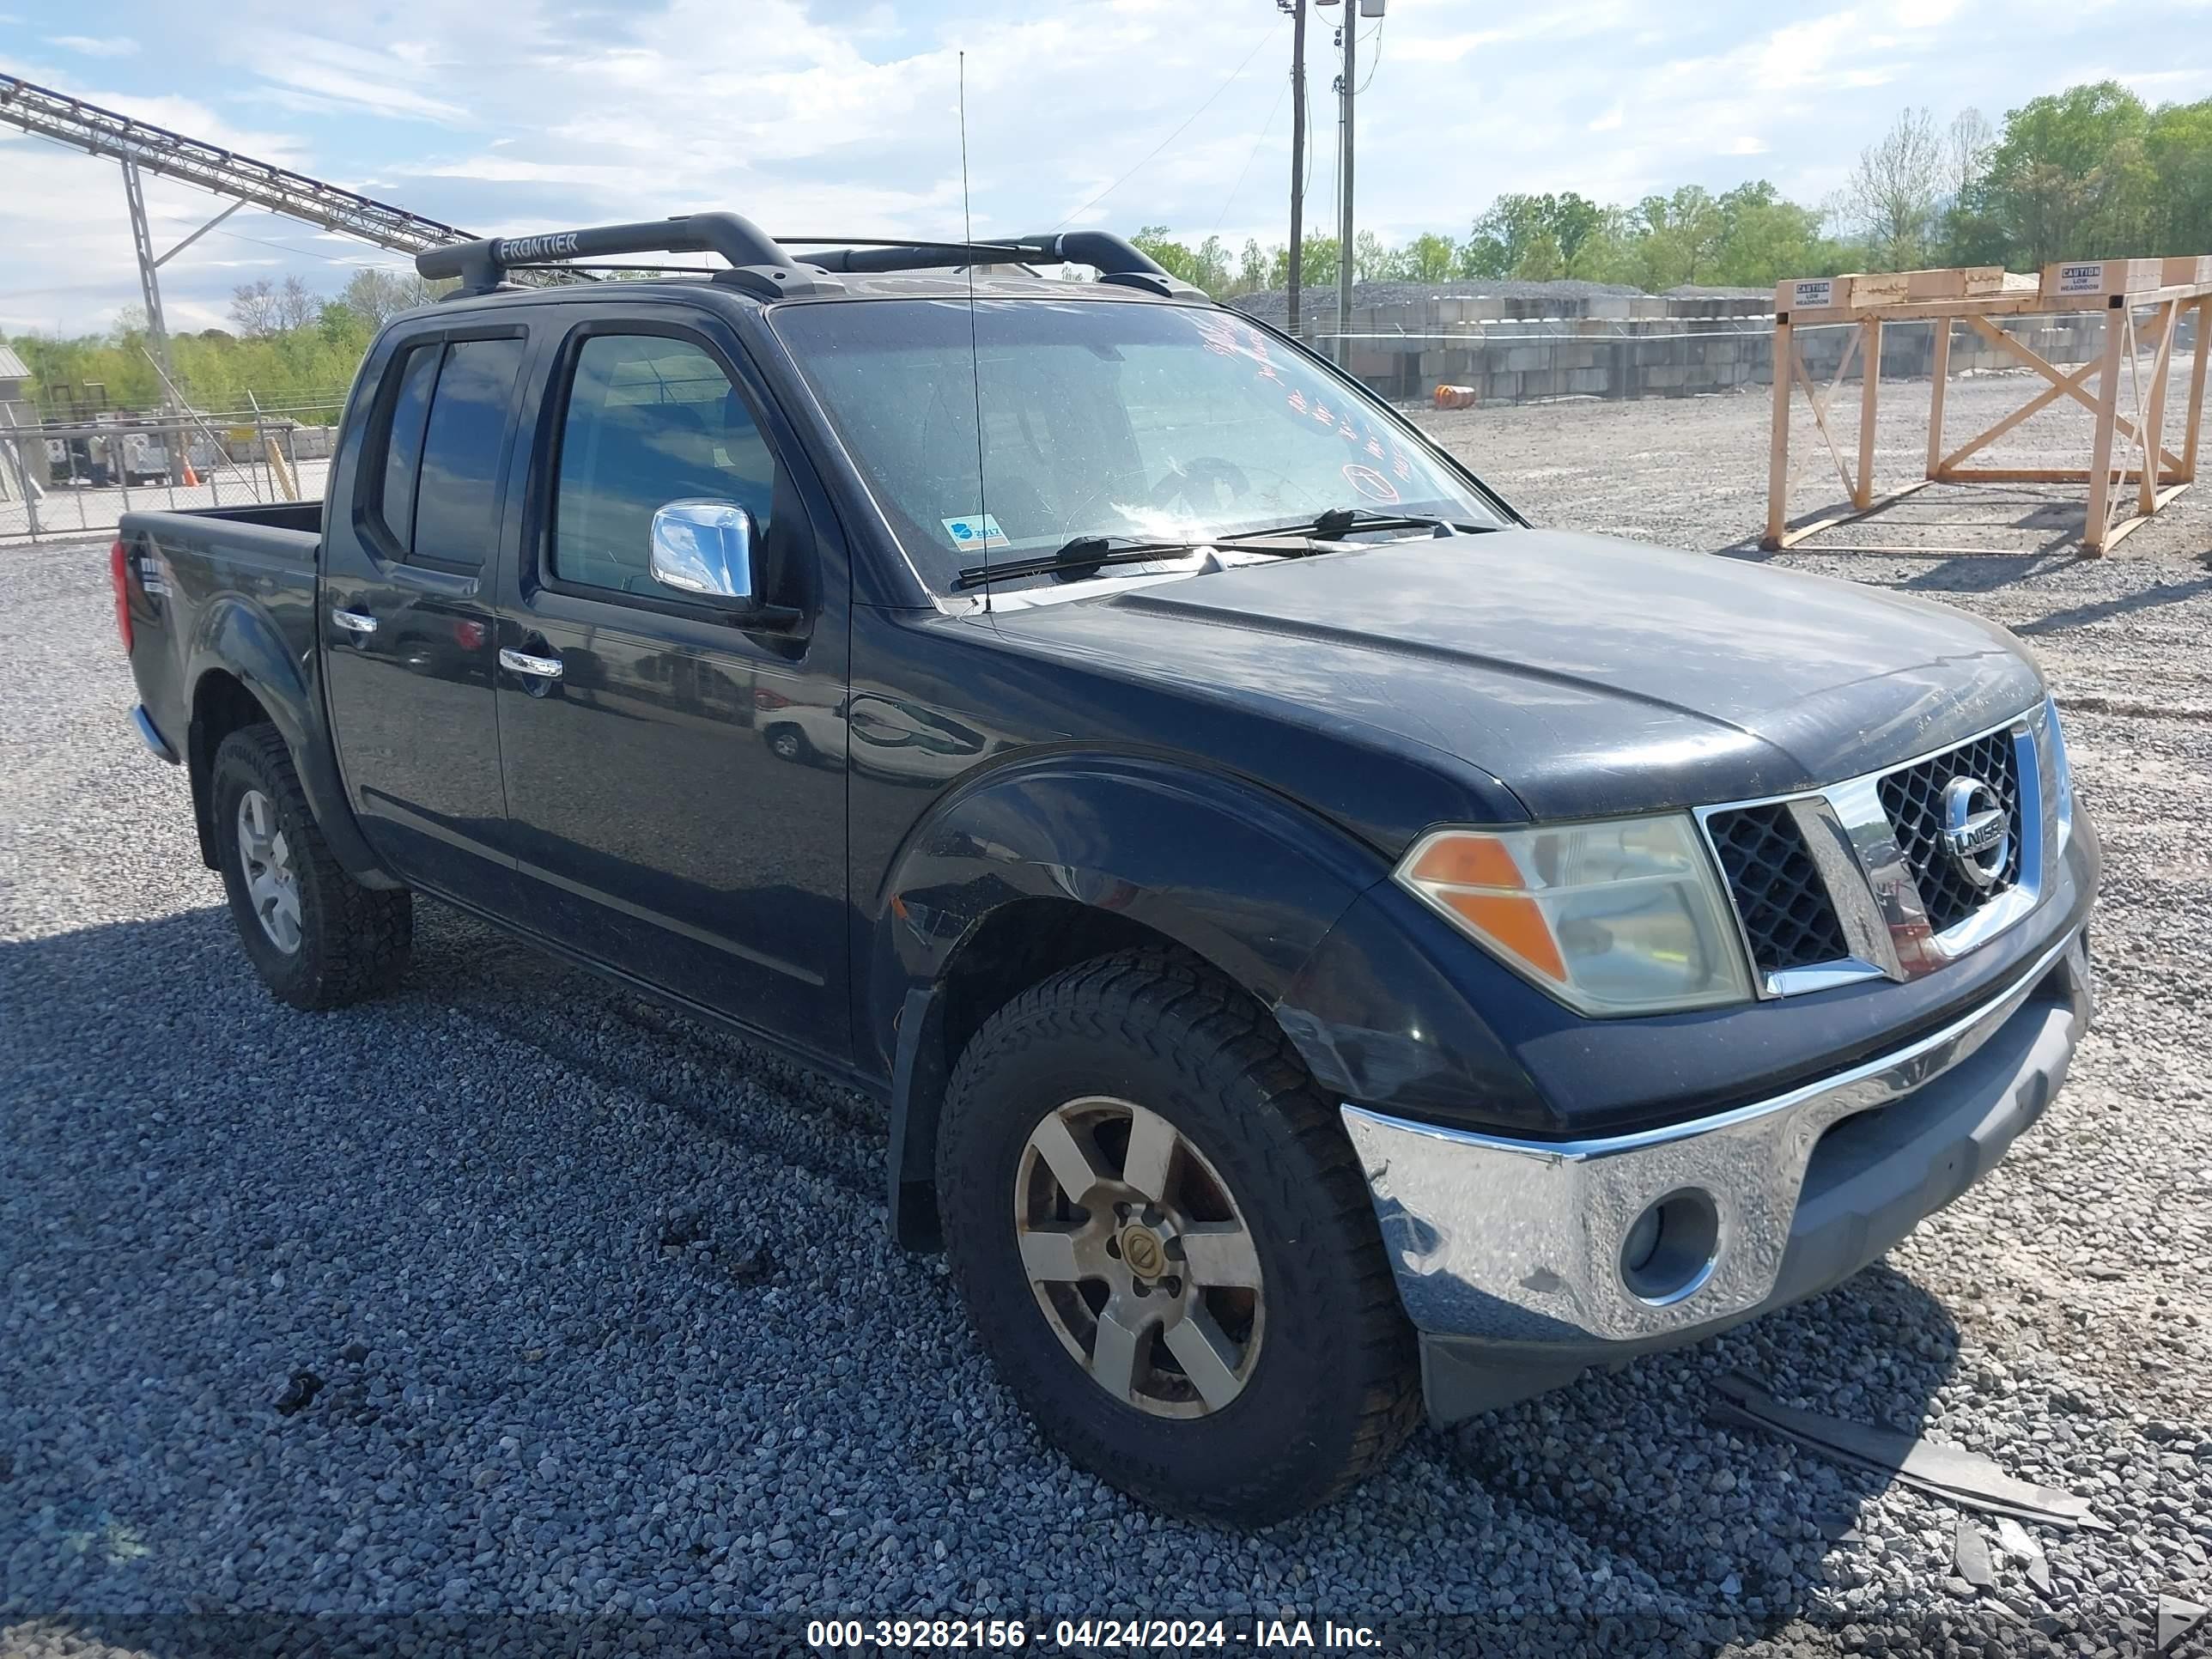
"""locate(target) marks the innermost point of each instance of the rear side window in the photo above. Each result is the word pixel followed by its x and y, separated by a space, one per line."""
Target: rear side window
pixel 402 442
pixel 457 494
pixel 650 420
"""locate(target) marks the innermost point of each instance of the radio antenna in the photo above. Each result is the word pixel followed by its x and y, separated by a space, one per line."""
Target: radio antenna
pixel 975 354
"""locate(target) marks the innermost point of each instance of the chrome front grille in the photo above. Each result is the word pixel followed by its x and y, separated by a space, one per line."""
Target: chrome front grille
pixel 1913 797
pixel 1858 881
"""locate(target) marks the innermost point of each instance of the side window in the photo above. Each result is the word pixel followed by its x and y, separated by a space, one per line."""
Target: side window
pixel 650 420
pixel 458 493
pixel 418 369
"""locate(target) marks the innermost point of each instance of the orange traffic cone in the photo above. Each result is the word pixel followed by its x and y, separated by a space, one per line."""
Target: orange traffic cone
pixel 191 478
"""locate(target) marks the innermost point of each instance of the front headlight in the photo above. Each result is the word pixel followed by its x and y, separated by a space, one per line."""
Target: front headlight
pixel 1625 917
pixel 2062 773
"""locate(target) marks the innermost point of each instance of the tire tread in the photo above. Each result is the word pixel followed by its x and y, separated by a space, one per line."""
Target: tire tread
pixel 1188 1016
pixel 365 934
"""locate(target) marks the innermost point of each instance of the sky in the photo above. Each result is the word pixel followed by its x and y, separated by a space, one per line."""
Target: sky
pixel 822 116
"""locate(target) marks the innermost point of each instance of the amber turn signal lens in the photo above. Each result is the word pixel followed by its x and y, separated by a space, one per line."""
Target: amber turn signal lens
pixel 1516 924
pixel 1466 860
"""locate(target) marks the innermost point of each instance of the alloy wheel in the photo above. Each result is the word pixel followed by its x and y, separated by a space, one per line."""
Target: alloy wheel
pixel 1139 1257
pixel 272 885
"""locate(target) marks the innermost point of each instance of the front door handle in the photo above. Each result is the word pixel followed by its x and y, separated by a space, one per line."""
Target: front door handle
pixel 353 622
pixel 519 662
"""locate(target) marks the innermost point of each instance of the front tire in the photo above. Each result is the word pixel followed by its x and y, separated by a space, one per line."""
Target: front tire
pixel 1210 1324
pixel 317 937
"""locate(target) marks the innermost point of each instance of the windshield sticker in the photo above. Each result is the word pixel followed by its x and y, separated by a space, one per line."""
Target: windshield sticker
pixel 974 531
pixel 1370 482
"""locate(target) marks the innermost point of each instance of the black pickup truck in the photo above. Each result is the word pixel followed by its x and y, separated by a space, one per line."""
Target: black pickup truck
pixel 1323 943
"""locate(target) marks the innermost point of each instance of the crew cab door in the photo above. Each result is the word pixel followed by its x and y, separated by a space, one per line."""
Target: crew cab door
pixel 675 783
pixel 416 504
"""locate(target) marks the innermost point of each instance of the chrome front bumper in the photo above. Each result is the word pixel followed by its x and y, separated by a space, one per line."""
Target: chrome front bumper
pixel 1518 1244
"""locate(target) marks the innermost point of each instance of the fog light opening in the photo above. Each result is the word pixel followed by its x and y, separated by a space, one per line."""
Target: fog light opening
pixel 1670 1249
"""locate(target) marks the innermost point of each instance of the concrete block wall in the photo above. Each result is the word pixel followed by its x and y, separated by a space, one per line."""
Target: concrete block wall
pixel 1520 349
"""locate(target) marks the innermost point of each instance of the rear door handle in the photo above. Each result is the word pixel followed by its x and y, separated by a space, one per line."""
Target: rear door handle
pixel 518 662
pixel 353 622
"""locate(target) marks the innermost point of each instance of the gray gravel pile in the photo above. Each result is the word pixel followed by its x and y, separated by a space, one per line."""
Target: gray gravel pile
pixel 574 1308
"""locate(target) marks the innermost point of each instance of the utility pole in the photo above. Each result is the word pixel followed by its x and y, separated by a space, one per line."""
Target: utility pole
pixel 1350 88
pixel 1297 10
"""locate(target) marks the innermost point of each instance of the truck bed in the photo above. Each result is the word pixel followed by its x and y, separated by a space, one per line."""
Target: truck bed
pixel 236 581
pixel 297 517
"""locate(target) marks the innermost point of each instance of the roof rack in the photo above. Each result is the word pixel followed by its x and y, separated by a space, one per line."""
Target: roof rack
pixel 761 265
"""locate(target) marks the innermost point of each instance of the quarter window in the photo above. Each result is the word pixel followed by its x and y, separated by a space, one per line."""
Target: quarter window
pixel 650 420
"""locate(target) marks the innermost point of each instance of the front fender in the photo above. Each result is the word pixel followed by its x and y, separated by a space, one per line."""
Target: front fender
pixel 1229 871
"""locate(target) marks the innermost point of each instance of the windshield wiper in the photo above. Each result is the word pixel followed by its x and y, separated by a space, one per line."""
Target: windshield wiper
pixel 1342 520
pixel 1086 554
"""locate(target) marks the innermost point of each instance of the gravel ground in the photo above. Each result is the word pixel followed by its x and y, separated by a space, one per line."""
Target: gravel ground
pixel 606 1324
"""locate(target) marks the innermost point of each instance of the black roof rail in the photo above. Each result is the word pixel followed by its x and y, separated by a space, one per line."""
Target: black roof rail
pixel 763 267
pixel 758 263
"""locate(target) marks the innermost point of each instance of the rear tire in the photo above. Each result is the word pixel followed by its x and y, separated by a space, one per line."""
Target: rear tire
pixel 317 937
pixel 1317 1383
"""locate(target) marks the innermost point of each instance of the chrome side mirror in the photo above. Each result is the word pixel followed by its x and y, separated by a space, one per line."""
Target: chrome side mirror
pixel 704 548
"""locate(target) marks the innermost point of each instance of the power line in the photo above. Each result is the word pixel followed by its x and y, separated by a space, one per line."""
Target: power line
pixel 309 254
pixel 1274 111
pixel 1266 35
pixel 1374 40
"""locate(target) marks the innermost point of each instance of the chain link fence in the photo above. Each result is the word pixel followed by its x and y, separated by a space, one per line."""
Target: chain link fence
pixel 70 479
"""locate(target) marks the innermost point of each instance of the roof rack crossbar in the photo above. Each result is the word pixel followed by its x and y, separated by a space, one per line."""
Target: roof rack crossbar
pixel 764 267
pixel 757 262
pixel 1117 259
pixel 915 256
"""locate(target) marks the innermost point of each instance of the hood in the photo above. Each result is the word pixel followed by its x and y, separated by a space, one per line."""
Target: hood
pixel 1590 675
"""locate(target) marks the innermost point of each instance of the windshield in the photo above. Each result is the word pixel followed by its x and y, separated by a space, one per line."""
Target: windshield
pixel 1151 422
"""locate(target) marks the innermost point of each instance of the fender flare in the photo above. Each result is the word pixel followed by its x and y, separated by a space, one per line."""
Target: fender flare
pixel 1229 871
pixel 236 637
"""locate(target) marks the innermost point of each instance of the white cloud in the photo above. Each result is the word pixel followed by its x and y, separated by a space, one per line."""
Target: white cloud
pixel 86 45
pixel 825 116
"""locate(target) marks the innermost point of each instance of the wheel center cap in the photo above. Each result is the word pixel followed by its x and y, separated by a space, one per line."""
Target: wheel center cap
pixel 1142 1249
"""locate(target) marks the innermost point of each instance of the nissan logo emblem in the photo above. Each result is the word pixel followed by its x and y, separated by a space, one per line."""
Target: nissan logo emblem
pixel 1977 830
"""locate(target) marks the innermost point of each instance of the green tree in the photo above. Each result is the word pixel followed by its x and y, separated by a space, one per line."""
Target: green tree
pixel 1173 256
pixel 1373 260
pixel 1428 258
pixel 376 296
pixel 2178 148
pixel 1503 240
pixel 1541 261
pixel 1765 238
pixel 1316 265
pixel 2071 178
pixel 1895 193
pixel 1253 266
pixel 1206 266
